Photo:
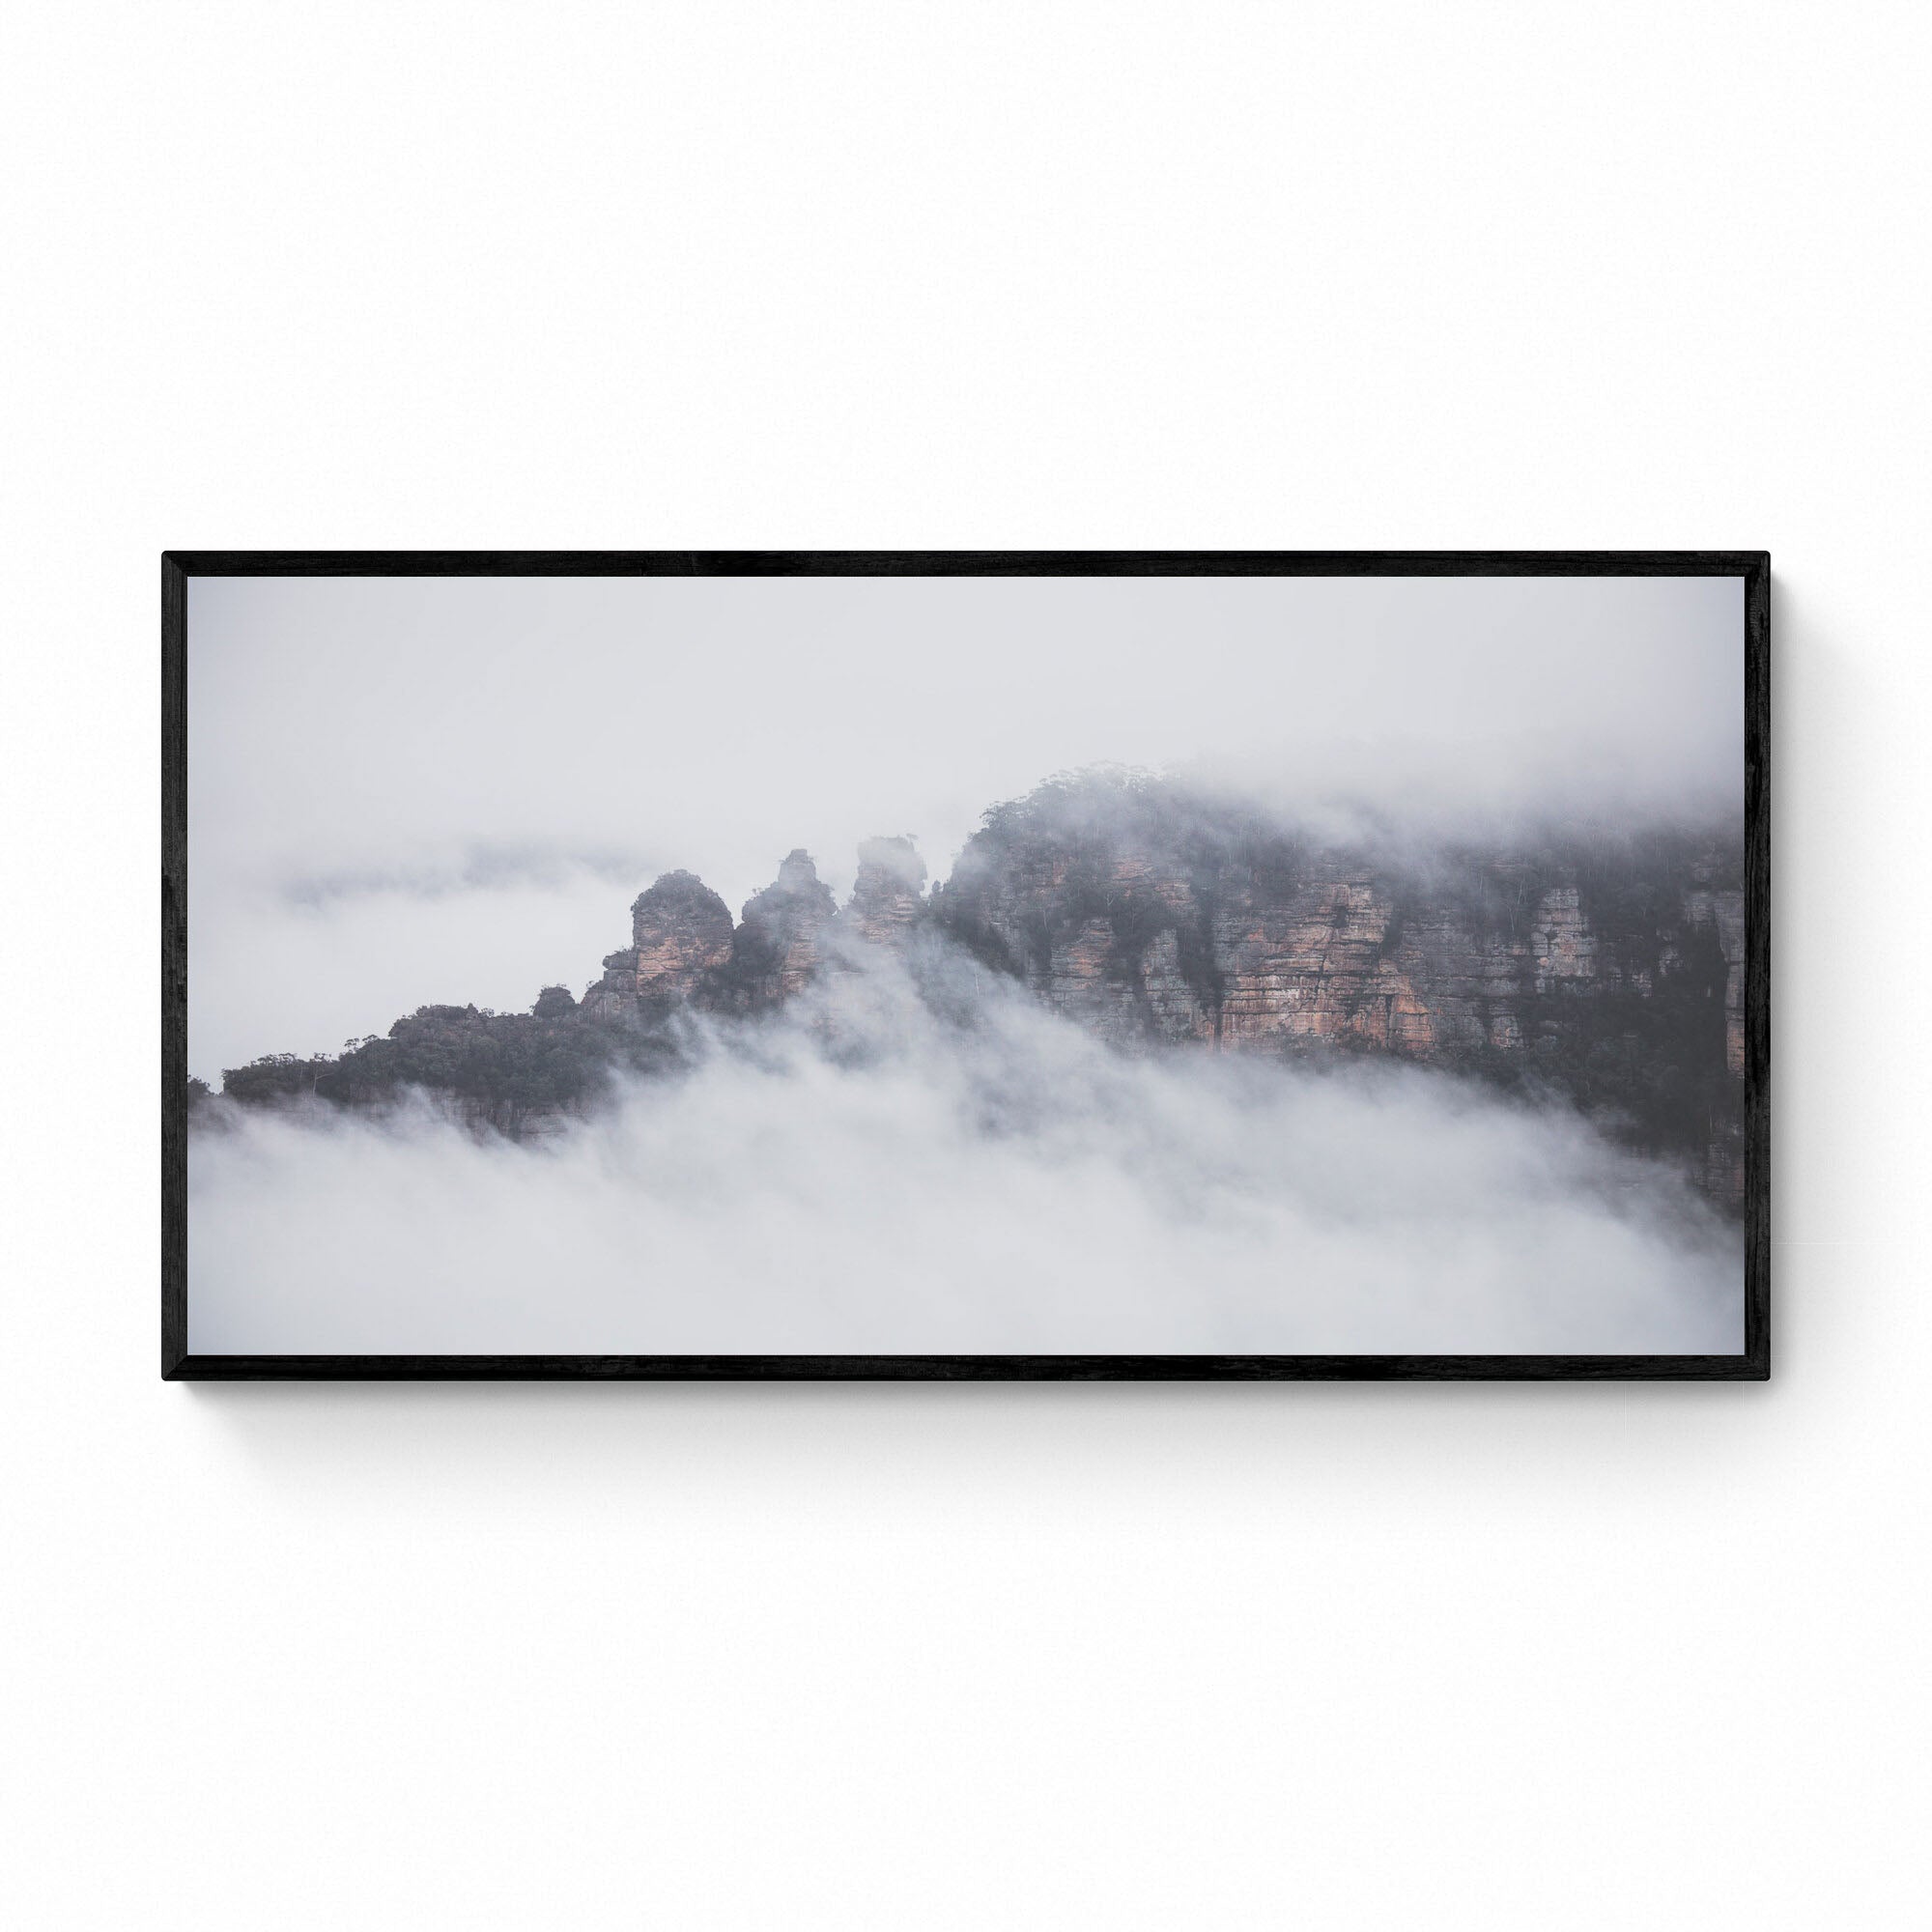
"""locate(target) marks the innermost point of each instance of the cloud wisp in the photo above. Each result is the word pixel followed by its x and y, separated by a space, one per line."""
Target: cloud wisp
pixel 949 1168
pixel 474 869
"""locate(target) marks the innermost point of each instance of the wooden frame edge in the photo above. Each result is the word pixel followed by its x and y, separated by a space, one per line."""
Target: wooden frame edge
pixel 174 967
pixel 1753 1364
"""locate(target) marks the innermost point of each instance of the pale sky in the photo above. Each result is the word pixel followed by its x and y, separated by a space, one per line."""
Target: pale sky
pixel 403 790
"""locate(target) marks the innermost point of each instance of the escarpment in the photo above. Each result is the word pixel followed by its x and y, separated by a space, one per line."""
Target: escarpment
pixel 1601 966
pixel 1605 966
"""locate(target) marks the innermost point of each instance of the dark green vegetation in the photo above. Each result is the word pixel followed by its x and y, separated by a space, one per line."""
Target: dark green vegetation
pixel 508 1064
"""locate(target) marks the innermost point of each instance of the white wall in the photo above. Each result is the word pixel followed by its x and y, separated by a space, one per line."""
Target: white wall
pixel 1210 275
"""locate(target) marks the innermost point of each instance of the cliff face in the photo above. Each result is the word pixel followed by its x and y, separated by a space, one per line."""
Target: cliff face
pixel 779 946
pixel 1608 969
pixel 1334 949
pixel 886 902
pixel 686 950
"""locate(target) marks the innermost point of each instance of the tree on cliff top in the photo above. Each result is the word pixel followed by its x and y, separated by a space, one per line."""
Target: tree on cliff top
pixel 680 894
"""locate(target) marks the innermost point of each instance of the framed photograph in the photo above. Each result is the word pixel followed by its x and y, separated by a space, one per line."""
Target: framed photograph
pixel 965 964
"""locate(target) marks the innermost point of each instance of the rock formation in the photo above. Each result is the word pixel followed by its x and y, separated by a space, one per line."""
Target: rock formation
pixel 681 930
pixel 681 933
pixel 1601 966
pixel 687 951
pixel 778 948
pixel 1608 967
pixel 886 902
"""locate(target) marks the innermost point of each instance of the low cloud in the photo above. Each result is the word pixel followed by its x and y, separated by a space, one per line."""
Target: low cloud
pixel 887 1169
pixel 477 869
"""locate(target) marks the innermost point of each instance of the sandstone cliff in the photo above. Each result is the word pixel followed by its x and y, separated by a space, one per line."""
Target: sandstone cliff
pixel 1604 967
pixel 886 902
pixel 685 949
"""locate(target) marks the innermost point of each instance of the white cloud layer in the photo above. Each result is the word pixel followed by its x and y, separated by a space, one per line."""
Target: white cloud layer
pixel 863 1177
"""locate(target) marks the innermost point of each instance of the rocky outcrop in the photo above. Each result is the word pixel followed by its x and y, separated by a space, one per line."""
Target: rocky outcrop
pixel 887 899
pixel 1604 967
pixel 1607 967
pixel 681 933
pixel 686 950
pixel 681 930
pixel 779 946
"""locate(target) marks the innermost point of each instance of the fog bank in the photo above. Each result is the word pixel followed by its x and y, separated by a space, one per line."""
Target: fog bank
pixel 863 1176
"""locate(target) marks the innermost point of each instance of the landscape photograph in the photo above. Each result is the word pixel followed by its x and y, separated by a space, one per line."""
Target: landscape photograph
pixel 904 965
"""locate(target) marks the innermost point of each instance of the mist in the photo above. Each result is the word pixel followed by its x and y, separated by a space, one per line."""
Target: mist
pixel 403 790
pixel 948 1167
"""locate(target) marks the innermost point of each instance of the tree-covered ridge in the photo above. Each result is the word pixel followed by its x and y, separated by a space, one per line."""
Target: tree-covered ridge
pixel 554 1056
pixel 1597 961
pixel 1598 964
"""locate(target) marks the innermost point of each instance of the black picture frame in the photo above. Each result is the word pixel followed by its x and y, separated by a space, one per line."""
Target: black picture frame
pixel 179 566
